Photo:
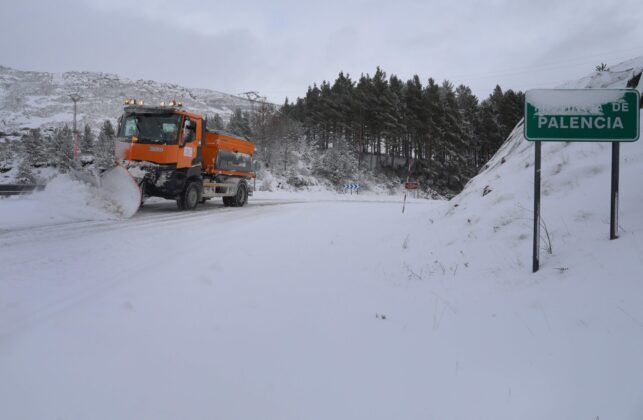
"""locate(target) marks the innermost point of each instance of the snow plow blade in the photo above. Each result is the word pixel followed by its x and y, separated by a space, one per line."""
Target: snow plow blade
pixel 121 190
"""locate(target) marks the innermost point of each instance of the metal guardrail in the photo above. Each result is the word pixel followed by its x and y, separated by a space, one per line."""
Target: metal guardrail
pixel 17 189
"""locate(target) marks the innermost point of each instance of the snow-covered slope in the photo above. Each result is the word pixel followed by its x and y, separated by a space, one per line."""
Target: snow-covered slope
pixel 568 338
pixel 575 186
pixel 35 99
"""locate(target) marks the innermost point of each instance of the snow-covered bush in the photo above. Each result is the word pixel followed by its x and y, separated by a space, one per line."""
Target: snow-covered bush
pixel 336 166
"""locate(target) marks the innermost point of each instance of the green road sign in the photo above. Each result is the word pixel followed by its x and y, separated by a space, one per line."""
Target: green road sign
pixel 582 115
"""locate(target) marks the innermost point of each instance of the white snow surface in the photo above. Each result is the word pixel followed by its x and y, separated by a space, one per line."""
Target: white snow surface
pixel 69 198
pixel 547 102
pixel 64 200
pixel 325 306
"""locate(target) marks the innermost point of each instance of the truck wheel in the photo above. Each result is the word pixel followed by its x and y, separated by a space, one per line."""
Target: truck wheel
pixel 242 196
pixel 190 196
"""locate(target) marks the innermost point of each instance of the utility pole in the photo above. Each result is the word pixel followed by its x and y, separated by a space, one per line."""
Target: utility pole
pixel 75 97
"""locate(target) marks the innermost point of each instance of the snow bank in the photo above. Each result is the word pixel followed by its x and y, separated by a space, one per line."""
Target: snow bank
pixel 63 200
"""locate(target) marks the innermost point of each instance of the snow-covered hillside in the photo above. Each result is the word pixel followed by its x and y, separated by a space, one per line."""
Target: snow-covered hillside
pixel 575 183
pixel 36 99
pixel 323 306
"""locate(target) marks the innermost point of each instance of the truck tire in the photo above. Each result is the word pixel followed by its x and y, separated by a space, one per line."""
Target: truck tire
pixel 241 197
pixel 190 196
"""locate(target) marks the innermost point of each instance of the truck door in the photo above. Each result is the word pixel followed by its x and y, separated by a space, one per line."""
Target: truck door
pixel 190 143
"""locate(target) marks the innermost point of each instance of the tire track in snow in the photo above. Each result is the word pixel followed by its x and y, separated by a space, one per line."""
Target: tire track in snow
pixel 151 216
pixel 51 302
pixel 24 246
pixel 141 220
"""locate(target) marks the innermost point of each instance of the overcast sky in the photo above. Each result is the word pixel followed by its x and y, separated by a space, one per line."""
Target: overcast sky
pixel 279 48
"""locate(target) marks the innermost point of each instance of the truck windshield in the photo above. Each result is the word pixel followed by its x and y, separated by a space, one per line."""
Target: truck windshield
pixel 151 128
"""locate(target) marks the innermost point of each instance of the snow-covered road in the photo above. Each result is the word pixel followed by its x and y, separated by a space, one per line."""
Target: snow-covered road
pixel 82 256
pixel 257 312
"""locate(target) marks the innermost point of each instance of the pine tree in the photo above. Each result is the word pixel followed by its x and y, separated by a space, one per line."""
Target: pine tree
pixel 397 127
pixel 468 109
pixel 312 116
pixel 105 148
pixel 510 111
pixel 341 103
pixel 25 173
pixel 382 104
pixel 61 149
pixel 262 129
pixel 108 129
pixel 292 134
pixel 416 117
pixel 489 132
pixel 239 124
pixel 6 157
pixel 362 99
pixel 433 128
pixel 454 148
pixel 87 141
pixel 216 123
pixel 33 148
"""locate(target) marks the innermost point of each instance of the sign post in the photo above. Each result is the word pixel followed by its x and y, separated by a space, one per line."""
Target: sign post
pixel 614 193
pixel 408 175
pixel 536 254
pixel 580 115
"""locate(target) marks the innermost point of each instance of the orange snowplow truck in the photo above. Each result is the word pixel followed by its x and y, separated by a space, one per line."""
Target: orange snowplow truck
pixel 171 154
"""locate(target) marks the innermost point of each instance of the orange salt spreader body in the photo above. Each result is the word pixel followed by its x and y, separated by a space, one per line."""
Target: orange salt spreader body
pixel 171 154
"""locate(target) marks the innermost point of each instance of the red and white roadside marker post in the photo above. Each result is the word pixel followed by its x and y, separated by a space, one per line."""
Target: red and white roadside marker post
pixel 408 175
